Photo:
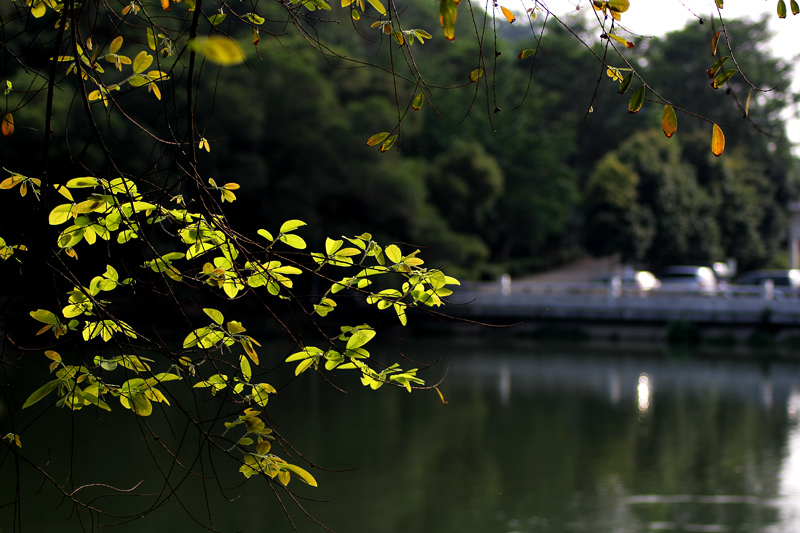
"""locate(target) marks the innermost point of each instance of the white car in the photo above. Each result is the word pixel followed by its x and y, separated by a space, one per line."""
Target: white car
pixel 688 278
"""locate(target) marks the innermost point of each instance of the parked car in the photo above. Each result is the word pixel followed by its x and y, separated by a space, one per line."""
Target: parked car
pixel 688 278
pixel 784 282
pixel 632 279
pixel 780 278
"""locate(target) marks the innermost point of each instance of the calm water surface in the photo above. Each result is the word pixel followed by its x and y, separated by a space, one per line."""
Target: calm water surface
pixel 532 439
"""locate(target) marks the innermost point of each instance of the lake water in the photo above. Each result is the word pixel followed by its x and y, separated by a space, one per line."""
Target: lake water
pixel 533 438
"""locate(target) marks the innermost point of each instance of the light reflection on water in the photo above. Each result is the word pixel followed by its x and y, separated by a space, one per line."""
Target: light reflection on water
pixel 535 439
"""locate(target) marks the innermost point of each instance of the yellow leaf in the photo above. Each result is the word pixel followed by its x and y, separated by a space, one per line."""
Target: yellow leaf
pixel 11 182
pixel 141 62
pixel 115 45
pixel 717 141
pixel 218 49
pixel 669 121
pixel 154 89
pixel 508 14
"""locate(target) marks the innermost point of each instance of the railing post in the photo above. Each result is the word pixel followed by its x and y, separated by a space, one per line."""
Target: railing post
pixel 769 289
pixel 505 284
pixel 616 287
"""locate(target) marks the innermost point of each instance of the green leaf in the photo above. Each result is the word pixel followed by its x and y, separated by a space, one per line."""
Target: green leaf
pixel 303 366
pixel 388 143
pixel 417 103
pixel 377 138
pixel 723 77
pixel 295 241
pixel 625 83
pixel 41 392
pixel 360 338
pixel 255 19
pixel 215 315
pixel 218 18
pixel 717 65
pixel 525 54
pixel 244 365
pixel 393 253
pixel 81 183
pixel 476 74
pixel 291 225
pixel 795 7
pixel 781 9
pixel 45 316
pixel 142 61
pixel 218 49
pixel 115 45
pixel 60 214
pixel 636 101
pixel 447 17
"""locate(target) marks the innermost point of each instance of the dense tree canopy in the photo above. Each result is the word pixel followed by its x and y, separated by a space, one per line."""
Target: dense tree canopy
pixel 179 175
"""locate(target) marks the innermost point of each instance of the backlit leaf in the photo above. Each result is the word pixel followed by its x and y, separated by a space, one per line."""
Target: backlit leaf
pixel 723 77
pixel 716 66
pixel 291 225
pixel 215 315
pixel 295 241
pixel 244 365
pixel 717 141
pixel 377 138
pixel 636 101
pixel 795 7
pixel 508 14
pixel 41 392
pixel 218 18
pixel 218 49
pixel 141 62
pixel 60 214
pixel 669 121
pixel 619 6
pixel 255 19
pixel 378 6
pixel 300 473
pixel 476 74
pixel 44 316
pixel 388 143
pixel 115 45
pixel 621 40
pixel 781 9
pixel 11 181
pixel 447 17
pixel 393 253
pixel 418 101
pixel 527 53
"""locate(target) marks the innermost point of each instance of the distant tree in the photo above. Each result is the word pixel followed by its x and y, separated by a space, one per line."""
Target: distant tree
pixel 139 290
pixel 616 223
